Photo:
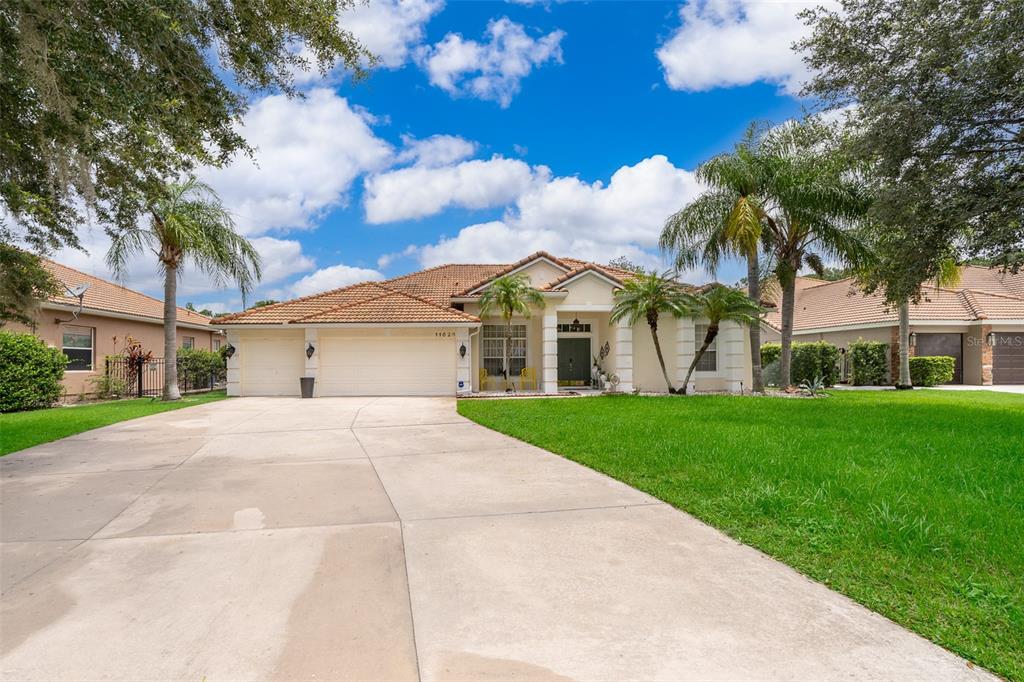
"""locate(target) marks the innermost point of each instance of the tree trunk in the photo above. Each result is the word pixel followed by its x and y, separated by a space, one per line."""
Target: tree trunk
pixel 904 311
pixel 171 333
pixel 708 338
pixel 506 360
pixel 754 291
pixel 788 305
pixel 661 359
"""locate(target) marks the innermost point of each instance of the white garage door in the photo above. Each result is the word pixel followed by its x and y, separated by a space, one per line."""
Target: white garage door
pixel 272 363
pixel 386 365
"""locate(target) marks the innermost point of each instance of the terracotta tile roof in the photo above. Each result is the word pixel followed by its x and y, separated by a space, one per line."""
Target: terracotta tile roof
pixel 393 306
pixel 587 267
pixel 287 311
pixel 504 270
pixel 842 303
pixel 104 296
pixel 440 283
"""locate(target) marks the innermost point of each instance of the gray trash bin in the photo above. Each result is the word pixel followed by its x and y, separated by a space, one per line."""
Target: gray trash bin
pixel 306 384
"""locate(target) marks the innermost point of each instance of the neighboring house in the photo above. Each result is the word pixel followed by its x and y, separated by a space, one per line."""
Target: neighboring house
pixel 421 334
pixel 86 330
pixel 979 322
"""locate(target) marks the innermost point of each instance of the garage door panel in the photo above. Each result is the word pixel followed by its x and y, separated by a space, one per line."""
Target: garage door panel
pixel 271 365
pixel 386 365
pixel 1008 358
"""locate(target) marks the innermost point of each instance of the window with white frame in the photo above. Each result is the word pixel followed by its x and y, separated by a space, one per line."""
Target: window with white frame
pixel 494 349
pixel 77 345
pixel 216 344
pixel 188 342
pixel 709 361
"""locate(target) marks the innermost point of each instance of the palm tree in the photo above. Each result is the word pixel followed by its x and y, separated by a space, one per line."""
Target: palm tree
pixel 187 223
pixel 645 297
pixel 509 295
pixel 726 220
pixel 718 304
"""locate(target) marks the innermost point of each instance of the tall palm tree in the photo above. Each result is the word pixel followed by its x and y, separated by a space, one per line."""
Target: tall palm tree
pixel 645 297
pixel 508 296
pixel 726 220
pixel 187 223
pixel 718 304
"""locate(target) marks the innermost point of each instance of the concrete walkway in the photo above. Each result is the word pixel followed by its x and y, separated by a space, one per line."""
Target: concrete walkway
pixel 390 539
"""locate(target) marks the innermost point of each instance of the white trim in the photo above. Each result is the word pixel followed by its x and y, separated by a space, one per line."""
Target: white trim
pixel 127 316
pixel 520 269
pixel 346 325
pixel 886 325
pixel 476 299
pixel 595 273
pixel 585 308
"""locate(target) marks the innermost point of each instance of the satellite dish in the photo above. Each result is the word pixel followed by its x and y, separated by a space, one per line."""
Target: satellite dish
pixel 79 291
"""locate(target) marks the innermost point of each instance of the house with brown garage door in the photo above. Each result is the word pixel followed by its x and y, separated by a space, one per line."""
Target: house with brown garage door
pixel 424 334
pixel 89 327
pixel 979 322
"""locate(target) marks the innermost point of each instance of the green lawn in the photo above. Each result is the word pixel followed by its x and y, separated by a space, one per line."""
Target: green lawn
pixel 910 502
pixel 21 430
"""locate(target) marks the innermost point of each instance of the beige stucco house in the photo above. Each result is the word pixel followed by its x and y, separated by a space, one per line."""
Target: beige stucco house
pixel 979 322
pixel 86 329
pixel 423 334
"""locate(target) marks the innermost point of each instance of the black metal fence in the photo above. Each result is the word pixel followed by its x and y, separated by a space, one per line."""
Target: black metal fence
pixel 140 377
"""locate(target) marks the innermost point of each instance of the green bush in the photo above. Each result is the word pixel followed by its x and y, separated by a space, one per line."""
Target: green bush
pixel 809 361
pixel 931 370
pixel 30 372
pixel 196 366
pixel 869 363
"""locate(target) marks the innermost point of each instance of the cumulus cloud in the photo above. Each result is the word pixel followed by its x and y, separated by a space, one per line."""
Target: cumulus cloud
pixel 333 277
pixel 489 70
pixel 723 43
pixel 308 153
pixel 436 150
pixel 594 220
pixel 417 192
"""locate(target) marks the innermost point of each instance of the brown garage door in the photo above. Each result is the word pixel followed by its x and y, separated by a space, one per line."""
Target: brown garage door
pixel 943 344
pixel 1008 359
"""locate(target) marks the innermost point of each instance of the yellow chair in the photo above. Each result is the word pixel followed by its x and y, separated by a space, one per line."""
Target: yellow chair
pixel 528 378
pixel 483 379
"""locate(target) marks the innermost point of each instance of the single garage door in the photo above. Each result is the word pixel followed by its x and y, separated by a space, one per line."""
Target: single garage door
pixel 387 365
pixel 272 363
pixel 943 344
pixel 1008 358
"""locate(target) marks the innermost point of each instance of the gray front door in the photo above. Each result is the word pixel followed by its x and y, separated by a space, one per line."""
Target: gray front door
pixel 574 360
pixel 943 344
pixel 1008 358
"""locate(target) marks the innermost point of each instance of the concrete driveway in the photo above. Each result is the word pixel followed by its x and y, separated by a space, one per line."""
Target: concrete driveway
pixel 390 539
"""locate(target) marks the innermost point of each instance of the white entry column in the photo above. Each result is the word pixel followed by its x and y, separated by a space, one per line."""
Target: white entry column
pixel 685 350
pixel 463 362
pixel 312 363
pixel 733 356
pixel 549 341
pixel 234 375
pixel 624 355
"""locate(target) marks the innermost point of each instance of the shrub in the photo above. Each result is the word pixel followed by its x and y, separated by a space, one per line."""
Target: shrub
pixel 196 366
pixel 30 372
pixel 931 370
pixel 869 361
pixel 810 361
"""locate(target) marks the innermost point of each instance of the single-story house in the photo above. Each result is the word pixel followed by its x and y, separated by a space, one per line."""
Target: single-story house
pixel 86 329
pixel 979 322
pixel 423 334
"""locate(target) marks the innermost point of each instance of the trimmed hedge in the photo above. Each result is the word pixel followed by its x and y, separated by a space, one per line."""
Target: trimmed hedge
pixel 931 370
pixel 198 365
pixel 809 361
pixel 869 363
pixel 30 372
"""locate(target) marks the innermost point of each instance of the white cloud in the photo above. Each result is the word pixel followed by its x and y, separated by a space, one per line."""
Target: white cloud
pixel 333 277
pixel 724 43
pixel 490 70
pixel 417 192
pixel 436 150
pixel 566 215
pixel 308 152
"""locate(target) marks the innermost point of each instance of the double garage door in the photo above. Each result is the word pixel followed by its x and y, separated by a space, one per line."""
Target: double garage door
pixel 419 364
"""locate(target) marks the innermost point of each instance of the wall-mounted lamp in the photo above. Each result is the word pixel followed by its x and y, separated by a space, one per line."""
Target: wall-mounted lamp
pixel 309 350
pixel 229 350
pixel 991 338
pixel 913 339
pixel 462 351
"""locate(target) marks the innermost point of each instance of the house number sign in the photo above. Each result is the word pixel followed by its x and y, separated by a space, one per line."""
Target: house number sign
pixel 445 335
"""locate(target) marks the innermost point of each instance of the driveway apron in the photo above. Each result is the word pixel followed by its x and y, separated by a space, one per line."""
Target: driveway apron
pixel 390 539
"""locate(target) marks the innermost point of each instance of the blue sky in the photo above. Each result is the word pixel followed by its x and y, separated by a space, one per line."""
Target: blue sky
pixel 492 129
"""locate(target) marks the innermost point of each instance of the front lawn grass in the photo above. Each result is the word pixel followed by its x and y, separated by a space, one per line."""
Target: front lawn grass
pixel 20 430
pixel 910 502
